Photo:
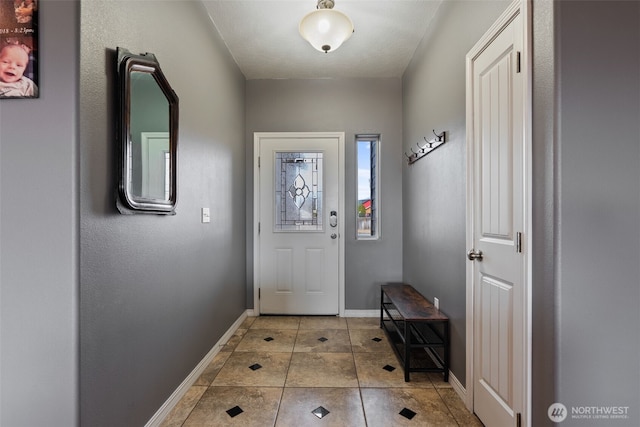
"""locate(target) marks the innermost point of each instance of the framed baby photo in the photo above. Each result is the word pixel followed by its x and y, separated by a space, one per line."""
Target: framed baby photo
pixel 19 49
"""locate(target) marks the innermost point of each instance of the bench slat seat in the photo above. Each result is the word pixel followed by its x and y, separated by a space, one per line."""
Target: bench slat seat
pixel 411 305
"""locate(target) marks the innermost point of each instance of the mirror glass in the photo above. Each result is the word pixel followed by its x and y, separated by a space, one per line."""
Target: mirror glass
pixel 149 110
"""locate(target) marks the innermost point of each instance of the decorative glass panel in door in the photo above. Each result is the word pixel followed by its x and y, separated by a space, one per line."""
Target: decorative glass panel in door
pixel 298 191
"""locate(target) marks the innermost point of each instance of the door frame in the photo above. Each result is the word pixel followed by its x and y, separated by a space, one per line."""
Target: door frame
pixel 522 7
pixel 257 136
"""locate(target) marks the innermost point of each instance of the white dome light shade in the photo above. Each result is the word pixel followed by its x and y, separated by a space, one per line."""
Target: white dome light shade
pixel 326 29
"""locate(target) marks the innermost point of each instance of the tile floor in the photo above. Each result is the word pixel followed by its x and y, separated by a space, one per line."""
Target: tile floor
pixel 315 371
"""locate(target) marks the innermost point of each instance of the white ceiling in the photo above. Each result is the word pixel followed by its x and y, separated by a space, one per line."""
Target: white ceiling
pixel 263 37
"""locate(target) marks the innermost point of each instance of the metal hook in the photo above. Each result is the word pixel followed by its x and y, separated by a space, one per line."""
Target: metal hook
pixel 425 149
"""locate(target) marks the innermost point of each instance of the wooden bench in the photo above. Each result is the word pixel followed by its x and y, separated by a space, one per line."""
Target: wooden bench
pixel 413 324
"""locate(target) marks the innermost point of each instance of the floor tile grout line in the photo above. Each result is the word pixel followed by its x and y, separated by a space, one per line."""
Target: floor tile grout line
pixel 286 376
pixel 194 407
pixel 448 408
pixel 364 412
pixel 353 356
pixel 208 386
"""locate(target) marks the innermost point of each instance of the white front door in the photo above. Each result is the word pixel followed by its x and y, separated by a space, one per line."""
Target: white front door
pixel 299 222
pixel 496 218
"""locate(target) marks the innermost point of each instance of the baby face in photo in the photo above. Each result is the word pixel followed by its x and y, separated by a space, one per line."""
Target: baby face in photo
pixel 13 61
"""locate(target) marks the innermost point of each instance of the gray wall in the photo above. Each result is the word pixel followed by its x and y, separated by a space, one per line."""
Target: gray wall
pixel 598 208
pixel 586 202
pixel 544 351
pixel 353 106
pixel 434 191
pixel 157 292
pixel 39 235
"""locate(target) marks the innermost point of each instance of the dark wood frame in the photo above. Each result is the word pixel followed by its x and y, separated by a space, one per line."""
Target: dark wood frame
pixel 127 202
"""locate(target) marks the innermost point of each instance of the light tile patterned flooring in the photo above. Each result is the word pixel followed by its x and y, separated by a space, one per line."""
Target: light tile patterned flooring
pixel 315 371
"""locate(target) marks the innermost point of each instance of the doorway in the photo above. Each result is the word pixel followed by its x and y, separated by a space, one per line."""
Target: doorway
pixel 299 223
pixel 498 222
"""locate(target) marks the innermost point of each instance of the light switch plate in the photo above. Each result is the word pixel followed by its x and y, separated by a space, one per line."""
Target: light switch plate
pixel 206 215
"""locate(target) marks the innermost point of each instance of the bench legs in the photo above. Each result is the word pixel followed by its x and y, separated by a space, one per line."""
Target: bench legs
pixel 446 352
pixel 405 331
pixel 407 351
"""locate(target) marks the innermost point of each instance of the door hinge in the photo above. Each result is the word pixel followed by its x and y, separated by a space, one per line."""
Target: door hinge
pixel 519 242
pixel 518 419
pixel 259 292
pixel 258 161
pixel 518 66
pixel 258 228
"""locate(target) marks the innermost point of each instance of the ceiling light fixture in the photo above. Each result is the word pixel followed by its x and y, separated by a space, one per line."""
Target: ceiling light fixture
pixel 325 28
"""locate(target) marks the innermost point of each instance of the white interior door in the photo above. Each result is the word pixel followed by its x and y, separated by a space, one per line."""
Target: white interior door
pixel 155 163
pixel 497 221
pixel 300 221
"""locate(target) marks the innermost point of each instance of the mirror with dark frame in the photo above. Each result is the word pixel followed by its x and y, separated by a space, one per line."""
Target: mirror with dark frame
pixel 147 136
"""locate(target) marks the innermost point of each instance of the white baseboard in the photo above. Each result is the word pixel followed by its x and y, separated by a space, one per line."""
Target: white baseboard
pixel 458 387
pixel 175 397
pixel 362 313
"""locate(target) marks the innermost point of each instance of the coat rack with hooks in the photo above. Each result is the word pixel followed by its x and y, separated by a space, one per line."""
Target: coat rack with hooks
pixel 425 149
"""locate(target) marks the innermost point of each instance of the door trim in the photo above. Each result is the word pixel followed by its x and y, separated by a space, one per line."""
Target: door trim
pixel 257 136
pixel 522 7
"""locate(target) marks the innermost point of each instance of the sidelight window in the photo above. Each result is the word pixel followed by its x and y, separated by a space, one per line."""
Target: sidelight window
pixel 367 212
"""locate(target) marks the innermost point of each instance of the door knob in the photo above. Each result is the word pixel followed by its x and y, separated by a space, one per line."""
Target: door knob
pixel 474 255
pixel 334 236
